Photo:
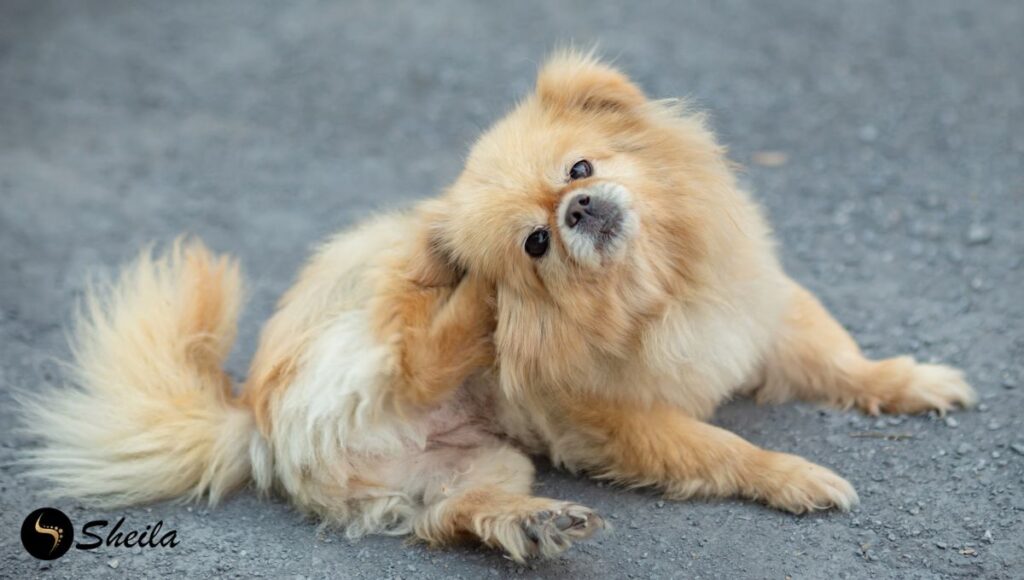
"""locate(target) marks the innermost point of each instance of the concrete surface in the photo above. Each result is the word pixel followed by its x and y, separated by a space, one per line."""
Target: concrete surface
pixel 265 126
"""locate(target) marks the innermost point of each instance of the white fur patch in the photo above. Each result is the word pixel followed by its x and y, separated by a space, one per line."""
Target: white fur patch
pixel 336 406
pixel 583 247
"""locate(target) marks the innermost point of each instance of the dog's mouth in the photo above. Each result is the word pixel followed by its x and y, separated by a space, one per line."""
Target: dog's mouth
pixel 597 222
pixel 607 231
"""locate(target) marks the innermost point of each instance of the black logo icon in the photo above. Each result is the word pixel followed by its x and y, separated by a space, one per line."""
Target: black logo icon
pixel 47 533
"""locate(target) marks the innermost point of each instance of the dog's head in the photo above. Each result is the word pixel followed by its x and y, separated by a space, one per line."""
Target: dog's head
pixel 591 207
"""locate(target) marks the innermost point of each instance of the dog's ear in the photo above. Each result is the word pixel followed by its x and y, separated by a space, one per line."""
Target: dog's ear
pixel 575 80
pixel 432 262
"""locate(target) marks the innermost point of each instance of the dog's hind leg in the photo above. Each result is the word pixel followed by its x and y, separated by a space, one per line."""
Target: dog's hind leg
pixel 815 359
pixel 484 493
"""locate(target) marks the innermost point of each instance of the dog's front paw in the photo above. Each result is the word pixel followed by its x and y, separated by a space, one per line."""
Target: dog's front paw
pixel 903 386
pixel 936 387
pixel 793 484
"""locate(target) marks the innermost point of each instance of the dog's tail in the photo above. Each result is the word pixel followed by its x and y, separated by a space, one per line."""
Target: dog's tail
pixel 151 415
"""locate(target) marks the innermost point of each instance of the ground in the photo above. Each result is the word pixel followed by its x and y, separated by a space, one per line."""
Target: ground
pixel 885 139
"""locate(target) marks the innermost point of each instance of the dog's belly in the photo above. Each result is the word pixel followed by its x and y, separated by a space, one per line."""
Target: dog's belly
pixel 465 420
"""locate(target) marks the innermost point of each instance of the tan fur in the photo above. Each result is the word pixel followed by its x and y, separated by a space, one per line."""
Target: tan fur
pixel 420 354
pixel 610 366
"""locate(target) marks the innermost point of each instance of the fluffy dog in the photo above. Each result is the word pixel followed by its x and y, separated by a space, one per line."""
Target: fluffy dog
pixel 592 286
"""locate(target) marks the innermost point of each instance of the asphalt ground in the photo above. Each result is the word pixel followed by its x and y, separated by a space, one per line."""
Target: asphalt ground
pixel 886 140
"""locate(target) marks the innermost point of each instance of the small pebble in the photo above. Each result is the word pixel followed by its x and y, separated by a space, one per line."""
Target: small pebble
pixel 113 563
pixel 941 545
pixel 978 234
pixel 952 423
pixel 1017 448
pixel 988 537
pixel 964 449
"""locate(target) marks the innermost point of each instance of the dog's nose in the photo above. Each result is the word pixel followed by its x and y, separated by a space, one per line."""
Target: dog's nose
pixel 579 207
pixel 586 211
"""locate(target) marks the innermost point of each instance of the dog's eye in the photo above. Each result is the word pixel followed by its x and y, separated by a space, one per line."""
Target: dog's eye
pixel 537 243
pixel 581 170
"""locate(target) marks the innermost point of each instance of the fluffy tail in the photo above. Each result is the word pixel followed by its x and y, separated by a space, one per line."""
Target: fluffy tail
pixel 151 416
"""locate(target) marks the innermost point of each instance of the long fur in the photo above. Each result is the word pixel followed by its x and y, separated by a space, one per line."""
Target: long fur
pixel 151 415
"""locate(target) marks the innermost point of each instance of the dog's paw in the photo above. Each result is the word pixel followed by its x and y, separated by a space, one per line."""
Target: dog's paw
pixel 551 532
pixel 921 388
pixel 542 532
pixel 936 387
pixel 793 484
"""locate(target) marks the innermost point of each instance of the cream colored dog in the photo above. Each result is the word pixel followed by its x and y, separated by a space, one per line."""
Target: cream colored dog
pixel 591 288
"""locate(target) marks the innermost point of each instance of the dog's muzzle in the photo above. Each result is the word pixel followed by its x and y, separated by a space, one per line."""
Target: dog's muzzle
pixel 597 221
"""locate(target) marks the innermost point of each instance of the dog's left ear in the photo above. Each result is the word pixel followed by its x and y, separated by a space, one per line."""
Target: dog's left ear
pixel 432 263
pixel 576 80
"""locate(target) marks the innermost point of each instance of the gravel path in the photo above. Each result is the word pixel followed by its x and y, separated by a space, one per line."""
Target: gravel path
pixel 886 140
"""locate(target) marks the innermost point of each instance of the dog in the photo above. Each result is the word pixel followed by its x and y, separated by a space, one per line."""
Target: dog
pixel 592 286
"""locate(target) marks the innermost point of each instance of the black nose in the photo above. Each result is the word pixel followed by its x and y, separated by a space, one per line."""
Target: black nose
pixel 579 207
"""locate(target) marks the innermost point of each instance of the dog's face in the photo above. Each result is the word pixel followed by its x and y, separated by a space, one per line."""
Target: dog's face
pixel 588 205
